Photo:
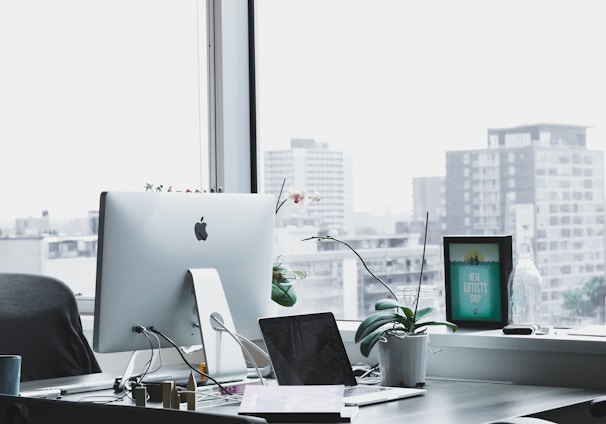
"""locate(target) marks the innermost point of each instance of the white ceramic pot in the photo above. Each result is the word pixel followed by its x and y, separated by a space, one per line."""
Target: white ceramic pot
pixel 403 360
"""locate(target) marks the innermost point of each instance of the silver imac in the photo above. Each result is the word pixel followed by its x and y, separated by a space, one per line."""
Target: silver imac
pixel 149 242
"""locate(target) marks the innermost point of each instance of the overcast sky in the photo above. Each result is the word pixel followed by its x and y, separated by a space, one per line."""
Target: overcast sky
pixel 400 82
pixel 394 82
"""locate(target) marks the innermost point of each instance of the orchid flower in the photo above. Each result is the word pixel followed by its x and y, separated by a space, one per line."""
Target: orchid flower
pixel 297 196
pixel 301 197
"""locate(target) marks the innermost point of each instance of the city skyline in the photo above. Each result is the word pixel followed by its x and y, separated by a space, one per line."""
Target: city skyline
pixel 537 182
pixel 81 211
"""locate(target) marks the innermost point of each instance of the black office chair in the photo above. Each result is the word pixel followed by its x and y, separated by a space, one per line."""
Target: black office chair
pixel 40 320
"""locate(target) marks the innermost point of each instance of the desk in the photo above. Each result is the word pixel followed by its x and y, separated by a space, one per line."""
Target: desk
pixel 464 402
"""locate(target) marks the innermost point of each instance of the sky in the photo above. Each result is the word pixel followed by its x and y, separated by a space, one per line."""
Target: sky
pixel 395 83
pixel 399 83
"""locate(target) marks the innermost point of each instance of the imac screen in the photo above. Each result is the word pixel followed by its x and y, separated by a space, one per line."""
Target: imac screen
pixel 149 241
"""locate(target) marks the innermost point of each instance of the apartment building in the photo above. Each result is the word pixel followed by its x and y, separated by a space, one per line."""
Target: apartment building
pixel 540 183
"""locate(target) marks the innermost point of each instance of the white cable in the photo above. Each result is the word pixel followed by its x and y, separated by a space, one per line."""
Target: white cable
pixel 159 350
pixel 266 371
pixel 246 351
pixel 257 348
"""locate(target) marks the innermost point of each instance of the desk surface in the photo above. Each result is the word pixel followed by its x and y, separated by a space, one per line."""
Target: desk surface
pixel 449 401
pixel 465 402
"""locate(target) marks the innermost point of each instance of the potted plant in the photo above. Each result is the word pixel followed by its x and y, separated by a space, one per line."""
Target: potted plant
pixel 282 280
pixel 399 330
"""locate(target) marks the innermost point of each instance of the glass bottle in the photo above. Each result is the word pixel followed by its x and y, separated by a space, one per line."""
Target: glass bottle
pixel 524 288
pixel 430 297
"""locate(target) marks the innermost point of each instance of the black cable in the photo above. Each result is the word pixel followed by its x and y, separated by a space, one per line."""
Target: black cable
pixel 125 386
pixel 158 332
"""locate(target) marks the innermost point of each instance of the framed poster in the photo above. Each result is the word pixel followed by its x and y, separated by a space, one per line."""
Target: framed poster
pixel 476 269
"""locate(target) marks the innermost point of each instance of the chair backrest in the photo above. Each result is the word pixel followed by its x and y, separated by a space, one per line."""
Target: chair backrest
pixel 40 320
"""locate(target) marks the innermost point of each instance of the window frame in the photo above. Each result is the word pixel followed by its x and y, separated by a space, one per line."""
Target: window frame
pixel 232 96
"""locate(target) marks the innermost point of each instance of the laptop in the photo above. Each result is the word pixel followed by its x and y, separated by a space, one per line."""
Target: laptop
pixel 55 387
pixel 73 384
pixel 308 350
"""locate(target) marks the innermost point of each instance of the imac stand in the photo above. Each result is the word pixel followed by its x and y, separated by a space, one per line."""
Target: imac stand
pixel 223 355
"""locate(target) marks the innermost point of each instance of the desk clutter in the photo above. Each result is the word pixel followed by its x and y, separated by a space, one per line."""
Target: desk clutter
pixel 171 395
pixel 17 410
pixel 285 404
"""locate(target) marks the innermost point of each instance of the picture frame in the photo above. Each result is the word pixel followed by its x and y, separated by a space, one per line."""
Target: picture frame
pixel 476 270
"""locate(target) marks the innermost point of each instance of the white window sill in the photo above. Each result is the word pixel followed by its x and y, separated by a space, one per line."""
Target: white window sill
pixel 555 359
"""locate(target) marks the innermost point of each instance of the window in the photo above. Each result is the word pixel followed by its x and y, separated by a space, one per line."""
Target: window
pixel 385 89
pixel 111 95
pixel 96 95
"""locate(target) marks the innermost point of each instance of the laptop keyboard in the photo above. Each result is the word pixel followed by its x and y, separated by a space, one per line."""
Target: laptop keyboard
pixel 361 390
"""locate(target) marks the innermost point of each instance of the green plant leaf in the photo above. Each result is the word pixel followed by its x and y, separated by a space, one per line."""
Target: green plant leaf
pixel 384 304
pixel 423 312
pixel 283 294
pixel 371 339
pixel 282 290
pixel 378 320
pixel 450 325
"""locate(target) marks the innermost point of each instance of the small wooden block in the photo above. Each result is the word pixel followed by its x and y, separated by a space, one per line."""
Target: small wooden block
pixel 167 391
pixel 191 392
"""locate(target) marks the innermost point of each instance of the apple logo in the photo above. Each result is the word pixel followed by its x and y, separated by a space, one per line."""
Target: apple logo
pixel 200 230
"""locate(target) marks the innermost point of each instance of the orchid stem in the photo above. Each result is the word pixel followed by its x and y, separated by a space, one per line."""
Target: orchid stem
pixel 278 202
pixel 422 264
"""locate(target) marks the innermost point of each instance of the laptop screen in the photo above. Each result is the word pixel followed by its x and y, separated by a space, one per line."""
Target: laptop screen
pixel 307 349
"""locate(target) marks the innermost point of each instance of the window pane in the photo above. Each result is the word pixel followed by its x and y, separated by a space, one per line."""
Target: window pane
pixel 96 95
pixel 371 102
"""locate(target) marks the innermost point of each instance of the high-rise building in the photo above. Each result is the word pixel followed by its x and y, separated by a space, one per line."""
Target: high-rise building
pixel 310 165
pixel 428 203
pixel 541 184
pixel 428 196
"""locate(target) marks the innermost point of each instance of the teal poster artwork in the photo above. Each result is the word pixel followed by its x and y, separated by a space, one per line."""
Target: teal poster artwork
pixel 475 281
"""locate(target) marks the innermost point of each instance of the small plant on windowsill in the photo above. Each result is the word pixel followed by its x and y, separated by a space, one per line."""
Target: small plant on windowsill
pixel 160 187
pixel 284 276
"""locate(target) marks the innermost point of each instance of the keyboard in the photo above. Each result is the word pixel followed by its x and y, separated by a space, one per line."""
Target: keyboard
pixel 361 390
pixel 67 385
